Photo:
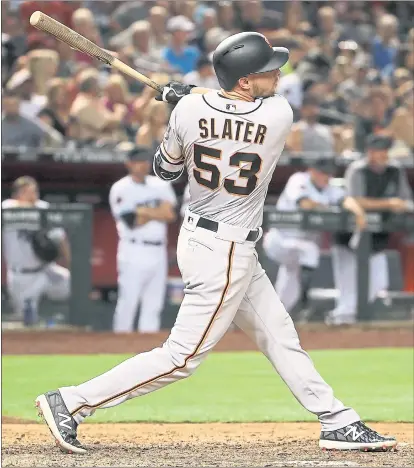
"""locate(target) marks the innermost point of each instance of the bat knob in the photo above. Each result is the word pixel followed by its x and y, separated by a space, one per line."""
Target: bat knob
pixel 35 18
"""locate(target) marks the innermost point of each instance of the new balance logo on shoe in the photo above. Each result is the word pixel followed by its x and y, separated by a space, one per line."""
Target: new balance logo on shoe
pixel 65 420
pixel 355 434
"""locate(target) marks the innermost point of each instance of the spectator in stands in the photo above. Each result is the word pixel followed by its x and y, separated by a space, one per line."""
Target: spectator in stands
pixel 355 87
pixel 159 38
pixel 328 29
pixel 95 121
pixel 207 19
pixel 226 16
pixel 309 136
pixel 402 123
pixel 116 92
pixel 67 63
pixel 151 133
pixel 179 55
pixel 203 76
pixel 56 111
pixel 291 83
pixel 18 130
pixel 30 102
pixel 253 17
pixel 376 116
pixel 377 185
pixel 385 44
pixel 129 12
pixel 84 23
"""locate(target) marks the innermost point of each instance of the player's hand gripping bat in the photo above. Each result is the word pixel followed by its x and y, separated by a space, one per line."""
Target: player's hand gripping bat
pixel 78 42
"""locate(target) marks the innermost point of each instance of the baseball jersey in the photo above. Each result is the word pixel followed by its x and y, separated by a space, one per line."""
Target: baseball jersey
pixel 300 186
pixel 126 195
pixel 18 251
pixel 230 149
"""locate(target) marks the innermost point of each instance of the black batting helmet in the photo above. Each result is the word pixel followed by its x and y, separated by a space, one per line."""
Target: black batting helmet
pixel 244 54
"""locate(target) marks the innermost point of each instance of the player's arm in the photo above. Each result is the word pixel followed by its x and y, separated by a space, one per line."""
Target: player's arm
pixel 356 188
pixel 352 205
pixel 308 204
pixel 64 251
pixel 164 212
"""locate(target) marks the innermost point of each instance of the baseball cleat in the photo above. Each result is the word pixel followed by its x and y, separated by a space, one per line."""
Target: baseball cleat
pixel 63 427
pixel 356 436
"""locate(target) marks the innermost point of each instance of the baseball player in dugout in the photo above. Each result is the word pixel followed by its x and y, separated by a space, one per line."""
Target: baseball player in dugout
pixel 298 251
pixel 142 206
pixel 229 141
pixel 379 185
pixel 30 256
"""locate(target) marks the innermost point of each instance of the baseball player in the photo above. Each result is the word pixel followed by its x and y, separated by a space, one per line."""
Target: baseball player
pixel 298 251
pixel 229 141
pixel 379 185
pixel 142 205
pixel 28 276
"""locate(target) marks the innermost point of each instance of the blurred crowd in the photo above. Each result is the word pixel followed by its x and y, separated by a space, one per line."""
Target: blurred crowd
pixel 350 72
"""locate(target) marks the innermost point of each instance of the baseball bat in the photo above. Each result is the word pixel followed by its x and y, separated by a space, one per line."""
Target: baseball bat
pixel 75 40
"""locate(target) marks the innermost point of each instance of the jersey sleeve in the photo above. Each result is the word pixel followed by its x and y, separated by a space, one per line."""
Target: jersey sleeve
pixel 405 189
pixel 296 189
pixel 169 158
pixel 354 182
pixel 119 202
pixel 336 195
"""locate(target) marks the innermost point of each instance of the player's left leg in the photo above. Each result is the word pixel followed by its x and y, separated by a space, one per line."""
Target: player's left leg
pixel 58 282
pixel 378 275
pixel 153 294
pixel 263 317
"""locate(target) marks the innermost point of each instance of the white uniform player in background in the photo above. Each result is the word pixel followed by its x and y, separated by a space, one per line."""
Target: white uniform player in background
pixel 229 141
pixel 28 277
pixel 142 205
pixel 298 251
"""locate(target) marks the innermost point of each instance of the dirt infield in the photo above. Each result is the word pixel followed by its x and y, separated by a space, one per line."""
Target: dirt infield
pixel 189 445
pixel 312 337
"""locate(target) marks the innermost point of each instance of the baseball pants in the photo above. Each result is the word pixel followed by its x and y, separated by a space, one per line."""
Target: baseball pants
pixel 346 277
pixel 26 289
pixel 142 279
pixel 224 282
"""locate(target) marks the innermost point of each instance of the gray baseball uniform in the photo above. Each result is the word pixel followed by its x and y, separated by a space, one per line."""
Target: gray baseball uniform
pixel 28 278
pixel 230 149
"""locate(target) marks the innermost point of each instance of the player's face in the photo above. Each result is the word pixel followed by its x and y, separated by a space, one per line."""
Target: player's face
pixel 29 194
pixel 319 178
pixel 264 84
pixel 138 168
pixel 378 158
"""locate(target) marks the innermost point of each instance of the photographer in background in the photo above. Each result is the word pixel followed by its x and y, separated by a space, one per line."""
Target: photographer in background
pixel 378 185
pixel 29 277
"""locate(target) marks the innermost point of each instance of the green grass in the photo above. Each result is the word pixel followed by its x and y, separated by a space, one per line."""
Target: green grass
pixel 228 387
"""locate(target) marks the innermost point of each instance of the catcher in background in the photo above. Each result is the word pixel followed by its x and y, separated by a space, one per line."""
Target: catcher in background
pixel 31 257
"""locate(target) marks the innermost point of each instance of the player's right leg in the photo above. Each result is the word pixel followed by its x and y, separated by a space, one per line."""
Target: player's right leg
pixel 131 281
pixel 216 274
pixel 262 316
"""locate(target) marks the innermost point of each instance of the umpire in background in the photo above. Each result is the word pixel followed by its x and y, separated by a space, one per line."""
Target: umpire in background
pixel 378 184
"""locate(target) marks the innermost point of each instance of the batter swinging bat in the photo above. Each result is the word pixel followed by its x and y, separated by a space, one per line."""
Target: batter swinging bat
pixel 45 23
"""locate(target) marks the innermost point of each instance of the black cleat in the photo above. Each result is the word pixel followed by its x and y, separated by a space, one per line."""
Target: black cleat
pixel 60 422
pixel 356 436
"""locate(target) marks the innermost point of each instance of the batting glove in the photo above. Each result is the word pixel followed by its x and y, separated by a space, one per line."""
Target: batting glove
pixel 174 91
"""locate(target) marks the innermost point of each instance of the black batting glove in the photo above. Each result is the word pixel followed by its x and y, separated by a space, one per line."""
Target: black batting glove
pixel 174 91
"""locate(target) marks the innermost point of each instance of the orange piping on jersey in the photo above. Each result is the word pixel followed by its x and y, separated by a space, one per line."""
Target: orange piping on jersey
pixel 203 337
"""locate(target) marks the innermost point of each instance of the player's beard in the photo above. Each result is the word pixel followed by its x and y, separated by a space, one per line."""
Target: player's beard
pixel 258 91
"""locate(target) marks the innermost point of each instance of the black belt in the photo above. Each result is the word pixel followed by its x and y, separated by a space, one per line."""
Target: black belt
pixel 152 243
pixel 213 226
pixel 27 270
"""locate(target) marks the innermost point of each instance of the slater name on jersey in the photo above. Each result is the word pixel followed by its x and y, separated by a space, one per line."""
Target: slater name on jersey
pixel 237 130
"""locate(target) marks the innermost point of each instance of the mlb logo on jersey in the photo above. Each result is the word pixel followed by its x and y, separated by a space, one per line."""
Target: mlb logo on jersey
pixel 231 107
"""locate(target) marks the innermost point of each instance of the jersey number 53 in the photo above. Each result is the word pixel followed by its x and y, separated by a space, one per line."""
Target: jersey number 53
pixel 231 186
